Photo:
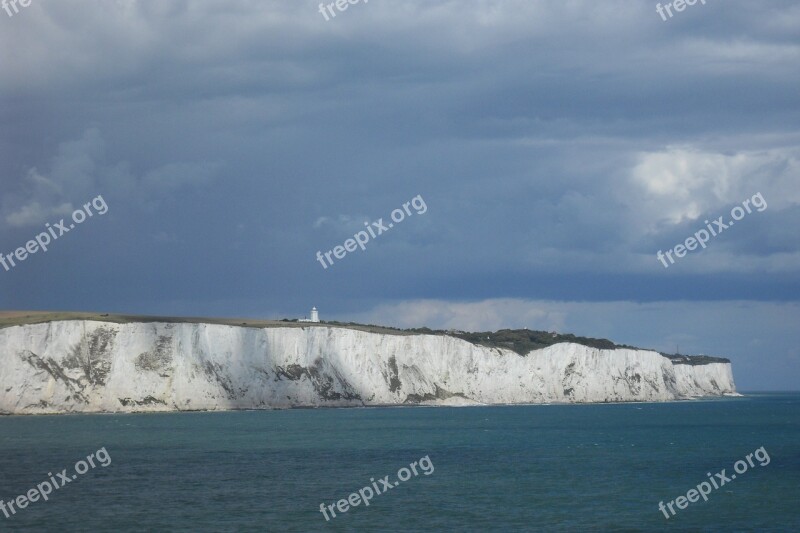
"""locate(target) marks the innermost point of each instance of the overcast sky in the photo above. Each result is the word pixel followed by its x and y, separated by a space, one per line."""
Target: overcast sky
pixel 557 146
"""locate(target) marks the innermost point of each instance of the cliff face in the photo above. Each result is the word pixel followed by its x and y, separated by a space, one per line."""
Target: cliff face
pixel 87 366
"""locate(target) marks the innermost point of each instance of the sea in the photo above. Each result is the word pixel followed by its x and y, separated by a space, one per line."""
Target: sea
pixel 596 467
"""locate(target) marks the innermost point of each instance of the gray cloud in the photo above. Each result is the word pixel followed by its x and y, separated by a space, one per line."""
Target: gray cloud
pixel 559 145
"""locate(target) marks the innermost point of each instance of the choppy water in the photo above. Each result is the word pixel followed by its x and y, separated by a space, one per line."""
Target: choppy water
pixel 526 468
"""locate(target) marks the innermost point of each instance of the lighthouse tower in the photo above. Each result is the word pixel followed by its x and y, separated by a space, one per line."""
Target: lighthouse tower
pixel 314 315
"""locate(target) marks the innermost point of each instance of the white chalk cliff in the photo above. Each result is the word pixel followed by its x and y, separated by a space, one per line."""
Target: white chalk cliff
pixel 87 366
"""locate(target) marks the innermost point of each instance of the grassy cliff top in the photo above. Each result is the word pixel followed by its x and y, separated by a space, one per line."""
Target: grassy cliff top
pixel 520 341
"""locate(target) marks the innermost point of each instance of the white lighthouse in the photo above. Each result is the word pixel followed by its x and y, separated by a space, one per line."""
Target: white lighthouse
pixel 314 316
